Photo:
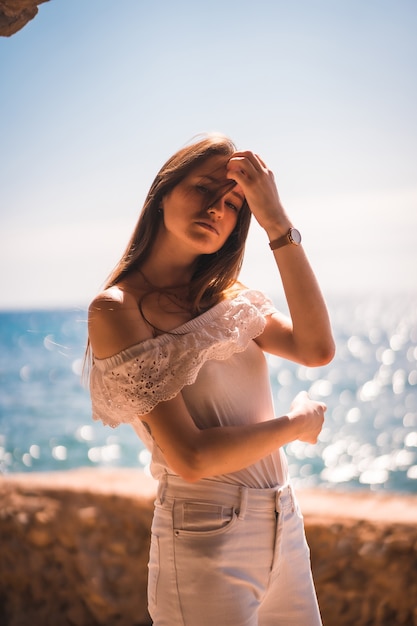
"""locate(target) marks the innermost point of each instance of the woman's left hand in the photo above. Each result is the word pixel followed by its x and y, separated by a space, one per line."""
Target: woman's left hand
pixel 258 185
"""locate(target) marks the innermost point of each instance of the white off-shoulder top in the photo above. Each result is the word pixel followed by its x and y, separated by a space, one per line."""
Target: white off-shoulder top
pixel 214 362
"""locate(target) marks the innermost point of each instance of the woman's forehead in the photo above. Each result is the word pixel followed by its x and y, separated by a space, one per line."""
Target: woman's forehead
pixel 214 166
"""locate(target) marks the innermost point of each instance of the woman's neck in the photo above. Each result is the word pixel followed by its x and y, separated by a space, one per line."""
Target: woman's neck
pixel 166 277
pixel 170 263
pixel 165 268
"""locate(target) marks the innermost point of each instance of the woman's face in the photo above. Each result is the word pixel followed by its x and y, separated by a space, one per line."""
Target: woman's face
pixel 196 214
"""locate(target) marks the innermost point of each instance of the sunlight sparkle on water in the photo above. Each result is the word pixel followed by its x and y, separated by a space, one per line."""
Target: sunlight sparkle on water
pixel 35 451
pixel 353 415
pixel 84 433
pixel 321 388
pixel 411 440
pixel 104 454
pixel 339 474
pixel 412 472
pixel 77 366
pixel 59 453
pixel 374 477
pixel 27 459
pixel 144 458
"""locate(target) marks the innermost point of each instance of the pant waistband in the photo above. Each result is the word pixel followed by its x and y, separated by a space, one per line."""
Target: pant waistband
pixel 240 497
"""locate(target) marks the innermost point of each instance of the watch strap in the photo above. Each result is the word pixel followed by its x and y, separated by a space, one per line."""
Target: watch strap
pixel 285 239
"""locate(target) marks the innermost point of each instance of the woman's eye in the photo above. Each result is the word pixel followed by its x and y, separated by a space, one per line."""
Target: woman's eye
pixel 232 206
pixel 203 190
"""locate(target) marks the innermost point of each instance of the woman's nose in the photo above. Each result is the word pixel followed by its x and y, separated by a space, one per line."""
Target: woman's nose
pixel 216 209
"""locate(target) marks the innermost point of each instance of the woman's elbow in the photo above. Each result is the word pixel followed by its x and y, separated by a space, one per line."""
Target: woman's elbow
pixel 191 466
pixel 322 354
pixel 329 352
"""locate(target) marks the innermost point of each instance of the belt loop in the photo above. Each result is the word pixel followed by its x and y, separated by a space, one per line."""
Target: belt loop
pixel 277 501
pixel 243 502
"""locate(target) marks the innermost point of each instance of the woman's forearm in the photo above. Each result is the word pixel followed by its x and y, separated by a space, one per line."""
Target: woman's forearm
pixel 195 453
pixel 312 334
pixel 229 449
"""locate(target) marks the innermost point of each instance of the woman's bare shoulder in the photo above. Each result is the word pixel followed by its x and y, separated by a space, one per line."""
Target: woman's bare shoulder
pixel 113 298
pixel 115 322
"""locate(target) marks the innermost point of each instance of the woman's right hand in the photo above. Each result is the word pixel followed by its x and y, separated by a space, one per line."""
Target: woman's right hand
pixel 307 416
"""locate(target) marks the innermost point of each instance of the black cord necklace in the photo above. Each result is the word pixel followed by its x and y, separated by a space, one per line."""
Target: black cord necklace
pixel 180 301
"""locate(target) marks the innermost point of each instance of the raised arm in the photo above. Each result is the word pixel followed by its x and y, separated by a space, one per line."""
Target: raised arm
pixel 306 337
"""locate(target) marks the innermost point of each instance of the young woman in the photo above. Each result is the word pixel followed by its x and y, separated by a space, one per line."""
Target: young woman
pixel 177 347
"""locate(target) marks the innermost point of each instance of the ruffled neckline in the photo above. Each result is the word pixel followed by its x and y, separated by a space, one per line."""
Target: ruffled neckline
pixel 133 381
pixel 196 323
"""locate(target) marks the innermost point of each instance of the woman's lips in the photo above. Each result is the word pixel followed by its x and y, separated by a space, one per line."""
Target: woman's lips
pixel 208 226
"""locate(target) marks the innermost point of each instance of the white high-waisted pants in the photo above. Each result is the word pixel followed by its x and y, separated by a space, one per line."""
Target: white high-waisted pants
pixel 224 555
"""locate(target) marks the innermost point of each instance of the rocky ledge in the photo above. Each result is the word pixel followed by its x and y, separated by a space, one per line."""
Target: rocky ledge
pixel 74 549
pixel 15 14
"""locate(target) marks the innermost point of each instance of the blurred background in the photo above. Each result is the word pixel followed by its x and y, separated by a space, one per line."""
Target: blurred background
pixel 96 96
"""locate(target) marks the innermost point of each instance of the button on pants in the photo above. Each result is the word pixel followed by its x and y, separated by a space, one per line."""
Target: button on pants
pixel 224 555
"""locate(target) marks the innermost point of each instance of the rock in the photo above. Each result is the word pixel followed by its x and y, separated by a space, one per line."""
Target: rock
pixel 364 557
pixel 74 551
pixel 15 14
pixel 80 556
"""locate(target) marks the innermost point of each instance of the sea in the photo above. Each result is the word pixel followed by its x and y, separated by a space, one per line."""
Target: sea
pixel 369 439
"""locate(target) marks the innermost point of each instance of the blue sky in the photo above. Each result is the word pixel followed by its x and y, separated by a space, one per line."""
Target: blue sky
pixel 96 95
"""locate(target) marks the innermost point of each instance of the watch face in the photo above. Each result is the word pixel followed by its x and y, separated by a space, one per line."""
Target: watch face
pixel 295 236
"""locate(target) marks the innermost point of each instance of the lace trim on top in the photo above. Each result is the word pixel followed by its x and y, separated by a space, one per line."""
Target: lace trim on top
pixel 134 381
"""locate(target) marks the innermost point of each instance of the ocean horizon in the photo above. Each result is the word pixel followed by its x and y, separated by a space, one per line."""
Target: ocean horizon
pixel 369 440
